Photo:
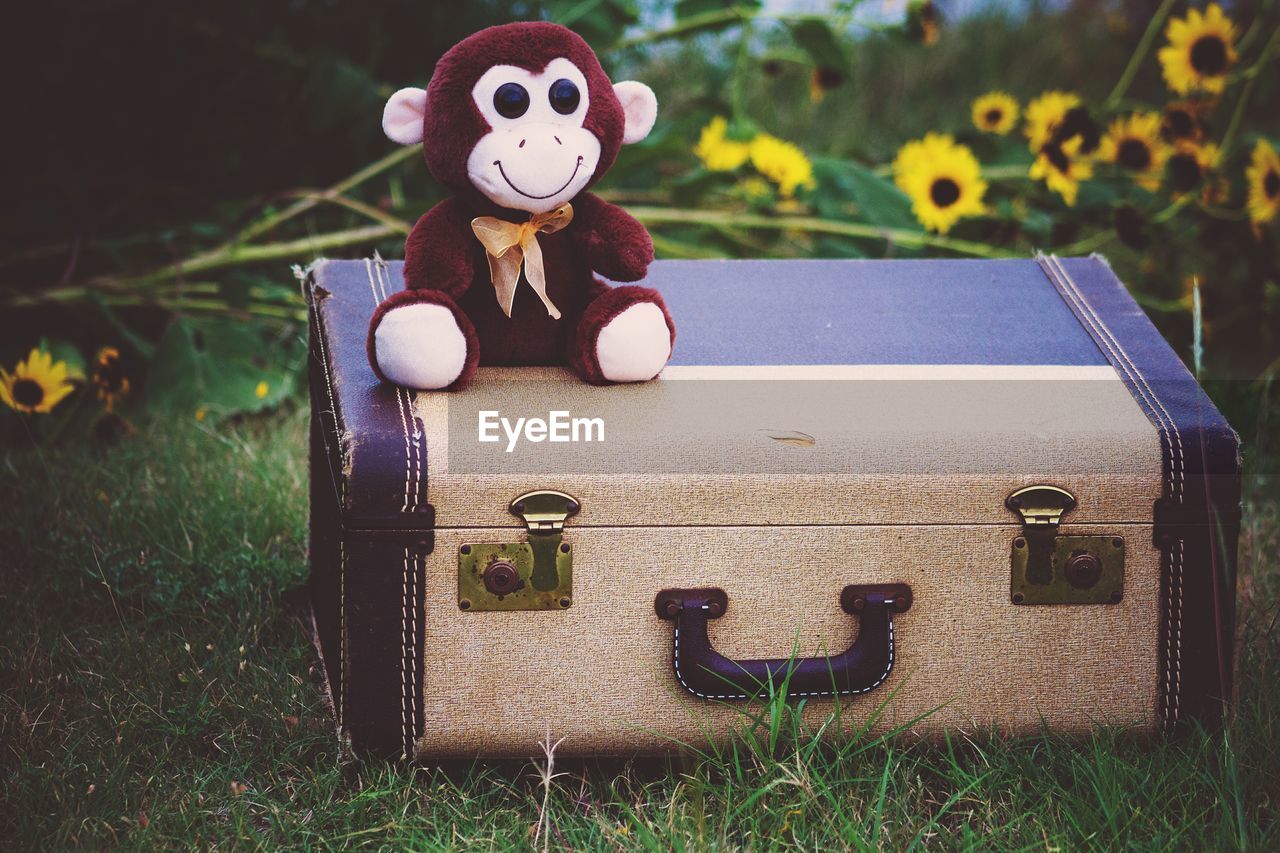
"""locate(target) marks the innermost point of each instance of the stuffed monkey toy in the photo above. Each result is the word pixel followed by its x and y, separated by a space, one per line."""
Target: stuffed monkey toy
pixel 518 121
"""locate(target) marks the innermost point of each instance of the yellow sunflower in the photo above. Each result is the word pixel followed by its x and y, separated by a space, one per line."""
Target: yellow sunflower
pixel 1184 121
pixel 1200 52
pixel 995 112
pixel 1062 167
pixel 37 384
pixel 782 163
pixel 1263 178
pixel 108 376
pixel 716 151
pixel 1189 164
pixel 1134 144
pixel 942 179
pixel 1045 113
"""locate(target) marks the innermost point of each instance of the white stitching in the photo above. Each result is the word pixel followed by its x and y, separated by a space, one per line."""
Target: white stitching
pixel 1173 626
pixel 413 649
pixel 333 406
pixel 406 665
pixel 342 550
pixel 1173 663
pixel 408 453
pixel 700 695
pixel 406 409
pixel 412 479
pixel 1178 460
pixel 342 633
pixel 1172 675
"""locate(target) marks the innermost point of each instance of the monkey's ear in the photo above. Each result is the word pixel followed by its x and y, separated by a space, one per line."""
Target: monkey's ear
pixel 402 116
pixel 640 106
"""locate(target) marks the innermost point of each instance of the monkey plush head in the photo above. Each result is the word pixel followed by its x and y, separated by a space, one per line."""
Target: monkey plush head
pixel 520 117
pixel 519 121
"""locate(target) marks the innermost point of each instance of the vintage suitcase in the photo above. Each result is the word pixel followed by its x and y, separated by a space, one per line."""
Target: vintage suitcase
pixel 961 495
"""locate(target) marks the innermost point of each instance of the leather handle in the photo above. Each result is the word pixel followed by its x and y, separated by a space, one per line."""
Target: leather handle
pixel 706 673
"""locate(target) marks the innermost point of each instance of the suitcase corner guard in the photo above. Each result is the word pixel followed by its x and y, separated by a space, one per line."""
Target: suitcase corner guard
pixel 707 674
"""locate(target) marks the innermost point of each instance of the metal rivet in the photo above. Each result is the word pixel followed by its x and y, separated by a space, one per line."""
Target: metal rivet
pixel 1018 598
pixel 519 507
pixel 572 506
pixel 671 607
pixel 466 549
pixel 713 608
pixel 1019 542
pixel 465 604
pixel 566 601
pixel 1083 570
pixel 564 547
pixel 1118 542
pixel 1116 596
pixel 1014 503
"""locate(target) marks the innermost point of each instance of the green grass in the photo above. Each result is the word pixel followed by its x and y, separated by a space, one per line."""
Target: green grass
pixel 158 690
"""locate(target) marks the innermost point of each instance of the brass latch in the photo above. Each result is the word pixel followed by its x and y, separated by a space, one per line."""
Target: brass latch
pixel 1047 568
pixel 533 575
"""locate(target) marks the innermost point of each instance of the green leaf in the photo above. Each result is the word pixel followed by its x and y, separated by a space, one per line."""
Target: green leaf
pixel 64 351
pixel 600 22
pixel 686 9
pixel 814 37
pixel 217 365
pixel 874 199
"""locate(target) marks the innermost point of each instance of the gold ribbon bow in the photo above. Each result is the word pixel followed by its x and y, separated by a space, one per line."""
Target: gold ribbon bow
pixel 512 245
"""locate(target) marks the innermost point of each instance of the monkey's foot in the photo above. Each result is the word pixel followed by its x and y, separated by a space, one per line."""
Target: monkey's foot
pixel 420 339
pixel 625 335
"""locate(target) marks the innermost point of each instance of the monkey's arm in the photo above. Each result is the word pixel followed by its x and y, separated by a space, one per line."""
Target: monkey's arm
pixel 614 243
pixel 440 252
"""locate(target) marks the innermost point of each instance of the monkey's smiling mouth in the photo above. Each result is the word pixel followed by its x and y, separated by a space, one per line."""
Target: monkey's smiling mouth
pixel 503 172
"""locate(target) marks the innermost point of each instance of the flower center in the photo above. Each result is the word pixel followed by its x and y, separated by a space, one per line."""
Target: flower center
pixel 110 375
pixel 27 393
pixel 1055 155
pixel 944 192
pixel 1180 124
pixel 994 115
pixel 1209 56
pixel 1134 154
pixel 1271 184
pixel 1184 171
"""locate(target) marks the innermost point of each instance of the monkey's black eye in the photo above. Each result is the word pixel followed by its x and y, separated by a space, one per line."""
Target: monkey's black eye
pixel 511 100
pixel 564 96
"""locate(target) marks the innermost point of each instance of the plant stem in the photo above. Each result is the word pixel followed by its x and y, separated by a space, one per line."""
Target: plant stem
pixel 739 84
pixel 1251 78
pixel 1139 53
pixel 215 259
pixel 355 179
pixel 689 26
pixel 233 254
pixel 815 225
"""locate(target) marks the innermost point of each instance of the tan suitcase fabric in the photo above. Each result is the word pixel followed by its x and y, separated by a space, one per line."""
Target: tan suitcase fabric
pixel 995 471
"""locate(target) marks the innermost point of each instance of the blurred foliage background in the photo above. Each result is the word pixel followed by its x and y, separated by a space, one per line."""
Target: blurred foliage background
pixel 170 162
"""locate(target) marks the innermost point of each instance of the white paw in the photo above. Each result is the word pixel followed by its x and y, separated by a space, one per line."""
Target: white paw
pixel 420 346
pixel 635 345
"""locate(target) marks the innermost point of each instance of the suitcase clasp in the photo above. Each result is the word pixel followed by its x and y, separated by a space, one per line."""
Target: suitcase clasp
pixel 1050 569
pixel 532 575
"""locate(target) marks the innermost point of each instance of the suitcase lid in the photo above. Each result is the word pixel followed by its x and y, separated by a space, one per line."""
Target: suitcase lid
pixel 942 386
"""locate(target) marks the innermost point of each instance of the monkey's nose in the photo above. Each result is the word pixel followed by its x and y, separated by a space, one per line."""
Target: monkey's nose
pixel 557 139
